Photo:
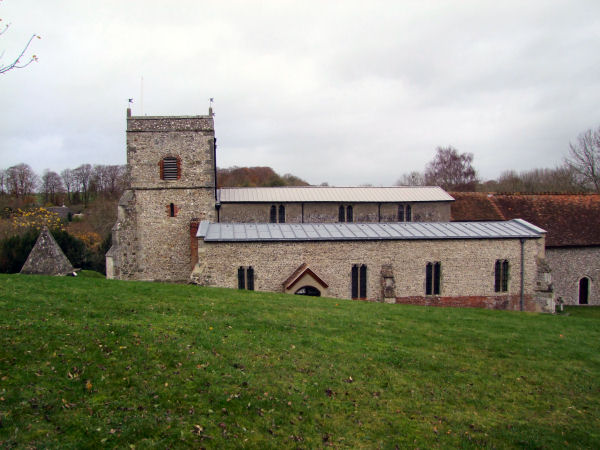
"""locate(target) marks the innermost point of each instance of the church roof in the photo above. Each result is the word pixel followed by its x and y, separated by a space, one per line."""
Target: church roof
pixel 570 219
pixel 308 194
pixel 230 232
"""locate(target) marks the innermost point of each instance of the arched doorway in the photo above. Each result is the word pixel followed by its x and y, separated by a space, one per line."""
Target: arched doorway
pixel 584 290
pixel 308 290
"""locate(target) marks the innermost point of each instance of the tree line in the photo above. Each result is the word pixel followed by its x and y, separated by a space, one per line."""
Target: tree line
pixel 450 169
pixel 454 171
pixel 87 182
pixel 255 177
pixel 77 185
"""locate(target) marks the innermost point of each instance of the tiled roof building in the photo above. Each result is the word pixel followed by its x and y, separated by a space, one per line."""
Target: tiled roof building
pixel 572 223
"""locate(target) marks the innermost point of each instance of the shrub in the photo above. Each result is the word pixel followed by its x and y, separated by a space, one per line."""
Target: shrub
pixel 14 251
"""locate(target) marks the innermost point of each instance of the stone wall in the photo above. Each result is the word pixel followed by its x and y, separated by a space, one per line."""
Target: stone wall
pixel 121 259
pixel 467 266
pixel 569 265
pixel 164 250
pixel 328 212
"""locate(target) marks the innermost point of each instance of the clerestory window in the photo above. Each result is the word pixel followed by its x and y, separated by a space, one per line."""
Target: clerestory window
pixel 404 213
pixel 277 214
pixel 346 213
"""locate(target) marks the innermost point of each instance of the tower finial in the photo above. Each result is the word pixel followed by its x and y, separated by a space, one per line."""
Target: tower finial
pixel 210 110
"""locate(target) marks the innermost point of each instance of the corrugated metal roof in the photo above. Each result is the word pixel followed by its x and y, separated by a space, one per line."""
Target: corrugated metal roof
pixel 333 194
pixel 228 232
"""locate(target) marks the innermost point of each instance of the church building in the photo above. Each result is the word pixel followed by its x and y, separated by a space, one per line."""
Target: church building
pixel 385 244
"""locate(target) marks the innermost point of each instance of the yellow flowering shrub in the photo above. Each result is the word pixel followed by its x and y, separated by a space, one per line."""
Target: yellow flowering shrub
pixel 36 218
pixel 90 238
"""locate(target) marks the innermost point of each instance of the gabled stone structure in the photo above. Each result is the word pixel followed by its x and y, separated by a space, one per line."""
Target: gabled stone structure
pixel 46 257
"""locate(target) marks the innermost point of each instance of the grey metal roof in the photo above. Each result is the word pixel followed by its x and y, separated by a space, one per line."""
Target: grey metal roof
pixel 333 194
pixel 246 232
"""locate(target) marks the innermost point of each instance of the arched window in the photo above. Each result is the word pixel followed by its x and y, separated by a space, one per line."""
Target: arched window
pixel 273 218
pixel 433 278
pixel 342 214
pixel 408 213
pixel 359 281
pixel 172 210
pixel 245 276
pixel 400 213
pixel 170 168
pixel 501 275
pixel 584 291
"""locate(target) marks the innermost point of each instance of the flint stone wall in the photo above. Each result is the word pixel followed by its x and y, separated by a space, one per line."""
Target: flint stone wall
pixel 467 266
pixel 569 265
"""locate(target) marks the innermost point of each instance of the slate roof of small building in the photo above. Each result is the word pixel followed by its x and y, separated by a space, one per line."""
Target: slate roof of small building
pixel 570 219
pixel 61 211
pixel 308 194
pixel 231 232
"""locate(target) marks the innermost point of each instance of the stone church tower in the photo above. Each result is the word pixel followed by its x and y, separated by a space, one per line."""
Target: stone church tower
pixel 172 172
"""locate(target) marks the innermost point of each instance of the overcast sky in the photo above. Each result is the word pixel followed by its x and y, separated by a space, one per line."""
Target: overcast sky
pixel 347 92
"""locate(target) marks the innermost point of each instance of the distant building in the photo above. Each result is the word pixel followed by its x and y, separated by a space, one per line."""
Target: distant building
pixel 392 244
pixel 61 211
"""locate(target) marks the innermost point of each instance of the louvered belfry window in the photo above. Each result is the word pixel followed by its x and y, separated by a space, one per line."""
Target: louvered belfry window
pixel 170 168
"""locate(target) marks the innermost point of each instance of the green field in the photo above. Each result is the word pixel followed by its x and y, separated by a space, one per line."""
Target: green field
pixel 86 362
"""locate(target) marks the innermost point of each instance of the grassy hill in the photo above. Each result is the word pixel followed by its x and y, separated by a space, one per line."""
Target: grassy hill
pixel 86 362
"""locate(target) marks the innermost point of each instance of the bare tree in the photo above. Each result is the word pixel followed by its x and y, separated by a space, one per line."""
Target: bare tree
pixel 83 177
pixel 21 180
pixel 69 181
pixel 109 180
pixel 3 188
pixel 413 178
pixel 116 180
pixel 451 170
pixel 18 63
pixel 584 158
pixel 559 179
pixel 52 185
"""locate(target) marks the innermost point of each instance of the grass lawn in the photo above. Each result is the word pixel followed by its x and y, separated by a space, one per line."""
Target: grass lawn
pixel 88 362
